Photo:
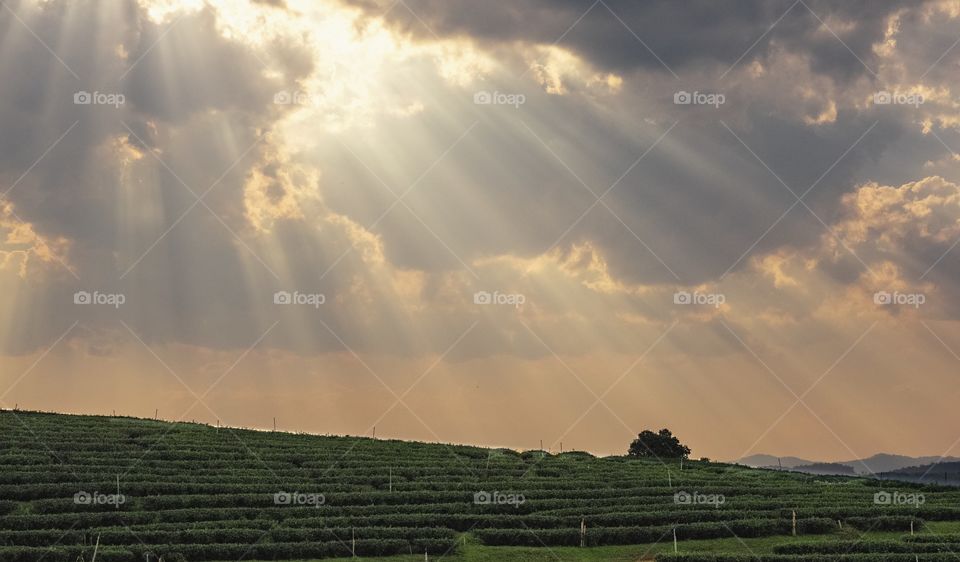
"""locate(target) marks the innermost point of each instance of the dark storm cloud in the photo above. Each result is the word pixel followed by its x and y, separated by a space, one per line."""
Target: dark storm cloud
pixel 701 200
pixel 684 35
pixel 70 192
pixel 194 71
pixel 122 185
pixel 201 102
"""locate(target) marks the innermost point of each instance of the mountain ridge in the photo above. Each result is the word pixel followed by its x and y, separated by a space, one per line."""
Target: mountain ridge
pixel 875 464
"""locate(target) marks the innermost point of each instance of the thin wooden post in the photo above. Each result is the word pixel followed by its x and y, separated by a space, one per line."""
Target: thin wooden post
pixel 583 532
pixel 675 540
pixel 353 542
pixel 794 525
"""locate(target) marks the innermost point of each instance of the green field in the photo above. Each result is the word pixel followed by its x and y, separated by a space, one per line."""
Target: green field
pixel 147 488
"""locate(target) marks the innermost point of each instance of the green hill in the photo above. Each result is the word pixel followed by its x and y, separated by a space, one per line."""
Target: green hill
pixel 147 488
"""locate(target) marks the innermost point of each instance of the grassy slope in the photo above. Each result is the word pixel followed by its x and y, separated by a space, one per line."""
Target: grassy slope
pixel 474 552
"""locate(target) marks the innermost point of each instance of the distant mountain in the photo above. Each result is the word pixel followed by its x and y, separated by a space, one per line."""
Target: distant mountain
pixel 882 462
pixel 770 461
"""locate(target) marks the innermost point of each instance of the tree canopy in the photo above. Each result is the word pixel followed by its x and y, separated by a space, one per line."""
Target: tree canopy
pixel 662 445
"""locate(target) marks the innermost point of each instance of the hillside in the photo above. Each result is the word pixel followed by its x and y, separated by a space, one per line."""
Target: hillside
pixel 147 488
pixel 830 468
pixel 947 473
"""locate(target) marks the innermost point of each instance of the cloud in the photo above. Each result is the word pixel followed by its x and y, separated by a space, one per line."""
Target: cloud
pixel 800 101
pixel 93 186
pixel 343 189
pixel 621 36
pixel 886 239
pixel 304 196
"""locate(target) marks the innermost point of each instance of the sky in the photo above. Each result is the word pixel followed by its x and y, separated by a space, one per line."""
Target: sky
pixel 560 221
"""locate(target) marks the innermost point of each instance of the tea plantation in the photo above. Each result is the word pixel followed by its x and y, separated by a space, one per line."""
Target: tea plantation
pixel 137 490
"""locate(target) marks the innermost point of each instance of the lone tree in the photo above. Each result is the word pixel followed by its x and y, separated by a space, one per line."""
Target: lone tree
pixel 661 445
